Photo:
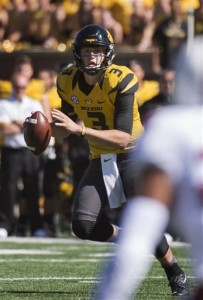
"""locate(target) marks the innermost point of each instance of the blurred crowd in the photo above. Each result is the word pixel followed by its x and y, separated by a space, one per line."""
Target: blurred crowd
pixel 59 169
pixel 52 24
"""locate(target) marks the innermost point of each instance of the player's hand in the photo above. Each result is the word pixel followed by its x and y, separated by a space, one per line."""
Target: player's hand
pixel 65 122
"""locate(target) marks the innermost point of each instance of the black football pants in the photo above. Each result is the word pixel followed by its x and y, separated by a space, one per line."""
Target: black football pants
pixel 91 200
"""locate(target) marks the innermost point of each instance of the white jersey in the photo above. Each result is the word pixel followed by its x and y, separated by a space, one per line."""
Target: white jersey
pixel 13 110
pixel 174 143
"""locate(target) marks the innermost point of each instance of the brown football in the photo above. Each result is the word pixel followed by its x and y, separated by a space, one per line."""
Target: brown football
pixel 37 132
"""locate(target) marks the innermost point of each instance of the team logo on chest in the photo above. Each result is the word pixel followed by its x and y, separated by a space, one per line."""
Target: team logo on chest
pixel 74 99
pixel 88 101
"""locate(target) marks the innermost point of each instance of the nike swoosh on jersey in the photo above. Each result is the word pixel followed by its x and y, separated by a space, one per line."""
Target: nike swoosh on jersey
pixel 100 102
pixel 105 160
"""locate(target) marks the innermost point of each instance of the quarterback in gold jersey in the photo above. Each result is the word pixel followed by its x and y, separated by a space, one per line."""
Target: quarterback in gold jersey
pixel 98 102
pixel 107 105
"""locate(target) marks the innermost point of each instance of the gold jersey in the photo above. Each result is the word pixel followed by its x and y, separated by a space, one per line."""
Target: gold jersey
pixel 53 97
pixel 109 104
pixel 148 90
pixel 5 88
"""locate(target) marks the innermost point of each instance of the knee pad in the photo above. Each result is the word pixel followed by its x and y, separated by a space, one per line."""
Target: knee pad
pixel 162 248
pixel 83 229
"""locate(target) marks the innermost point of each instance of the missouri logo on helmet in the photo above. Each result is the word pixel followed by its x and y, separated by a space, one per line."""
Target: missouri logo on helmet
pixel 110 37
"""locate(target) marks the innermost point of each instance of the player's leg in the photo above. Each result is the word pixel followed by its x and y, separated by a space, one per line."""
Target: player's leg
pixel 176 277
pixel 90 201
pixel 187 214
pixel 143 222
pixel 197 249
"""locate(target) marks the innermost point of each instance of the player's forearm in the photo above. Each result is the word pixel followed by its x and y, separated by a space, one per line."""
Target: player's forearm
pixel 110 138
pixel 63 126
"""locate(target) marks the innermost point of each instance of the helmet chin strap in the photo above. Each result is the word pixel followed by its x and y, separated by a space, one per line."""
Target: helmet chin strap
pixel 93 70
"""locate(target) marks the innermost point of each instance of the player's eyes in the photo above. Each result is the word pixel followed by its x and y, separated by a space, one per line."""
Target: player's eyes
pixel 92 52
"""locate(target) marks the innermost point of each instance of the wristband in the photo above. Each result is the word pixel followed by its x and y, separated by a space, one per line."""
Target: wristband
pixel 83 132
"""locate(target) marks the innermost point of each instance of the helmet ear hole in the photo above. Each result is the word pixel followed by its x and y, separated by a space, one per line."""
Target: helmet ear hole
pixel 93 35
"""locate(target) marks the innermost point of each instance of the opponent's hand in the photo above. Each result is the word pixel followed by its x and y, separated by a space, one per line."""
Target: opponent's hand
pixel 65 122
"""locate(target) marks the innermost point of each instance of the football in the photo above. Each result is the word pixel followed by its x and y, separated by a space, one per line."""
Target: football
pixel 37 132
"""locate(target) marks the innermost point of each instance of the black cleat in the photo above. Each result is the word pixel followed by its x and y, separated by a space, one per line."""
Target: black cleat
pixel 179 285
pixel 177 280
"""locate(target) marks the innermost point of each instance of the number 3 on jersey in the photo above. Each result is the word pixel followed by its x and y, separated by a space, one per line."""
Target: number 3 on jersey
pixel 99 120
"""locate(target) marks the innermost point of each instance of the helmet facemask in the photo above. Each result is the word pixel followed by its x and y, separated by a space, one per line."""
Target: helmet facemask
pixel 93 70
pixel 93 36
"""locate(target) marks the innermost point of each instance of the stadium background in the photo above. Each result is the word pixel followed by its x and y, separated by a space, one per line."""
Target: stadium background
pixel 54 59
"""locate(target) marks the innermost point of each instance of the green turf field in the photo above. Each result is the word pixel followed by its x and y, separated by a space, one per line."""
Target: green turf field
pixel 68 269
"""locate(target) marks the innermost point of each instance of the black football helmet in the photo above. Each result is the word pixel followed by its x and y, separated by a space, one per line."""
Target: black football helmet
pixel 93 35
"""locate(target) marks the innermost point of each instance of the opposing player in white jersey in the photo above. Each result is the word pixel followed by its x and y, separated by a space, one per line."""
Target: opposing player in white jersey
pixel 170 172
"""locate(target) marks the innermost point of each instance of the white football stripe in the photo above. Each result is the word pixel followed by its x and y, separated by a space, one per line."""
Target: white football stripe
pixel 33 121
pixel 31 148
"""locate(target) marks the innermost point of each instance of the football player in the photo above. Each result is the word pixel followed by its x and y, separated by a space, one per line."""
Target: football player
pixel 170 173
pixel 98 103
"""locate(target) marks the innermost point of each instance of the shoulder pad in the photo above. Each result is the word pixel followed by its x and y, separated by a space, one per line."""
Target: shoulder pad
pixel 67 69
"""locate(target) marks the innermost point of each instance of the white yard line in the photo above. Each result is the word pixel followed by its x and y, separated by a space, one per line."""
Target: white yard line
pixel 46 278
pixel 68 260
pixel 29 251
pixel 67 241
pixel 50 240
pixel 69 278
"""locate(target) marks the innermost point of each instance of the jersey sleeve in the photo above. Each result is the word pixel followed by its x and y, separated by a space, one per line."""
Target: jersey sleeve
pixel 123 119
pixel 124 104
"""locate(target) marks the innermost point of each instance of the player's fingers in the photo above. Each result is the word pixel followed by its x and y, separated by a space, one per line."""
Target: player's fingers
pixel 56 110
pixel 58 113
pixel 57 117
